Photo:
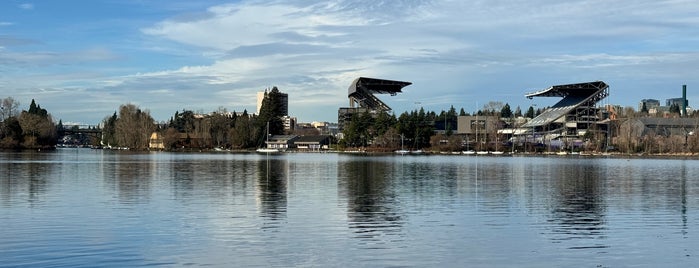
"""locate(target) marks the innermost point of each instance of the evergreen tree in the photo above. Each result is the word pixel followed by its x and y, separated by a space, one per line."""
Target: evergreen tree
pixel 462 112
pixel 530 112
pixel 506 112
pixel 271 112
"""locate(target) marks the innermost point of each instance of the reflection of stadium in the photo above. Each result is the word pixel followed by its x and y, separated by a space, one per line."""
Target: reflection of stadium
pixel 362 93
pixel 569 119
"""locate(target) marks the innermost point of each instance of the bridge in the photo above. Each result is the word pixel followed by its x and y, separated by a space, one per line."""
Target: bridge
pixel 76 135
pixel 74 129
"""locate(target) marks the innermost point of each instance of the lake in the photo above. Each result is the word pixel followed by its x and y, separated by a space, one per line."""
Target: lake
pixel 100 208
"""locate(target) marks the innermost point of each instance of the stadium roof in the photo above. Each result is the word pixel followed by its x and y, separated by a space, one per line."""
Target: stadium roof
pixel 574 95
pixel 580 89
pixel 362 91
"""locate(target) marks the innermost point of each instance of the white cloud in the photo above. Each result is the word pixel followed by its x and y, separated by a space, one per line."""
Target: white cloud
pixel 26 6
pixel 455 52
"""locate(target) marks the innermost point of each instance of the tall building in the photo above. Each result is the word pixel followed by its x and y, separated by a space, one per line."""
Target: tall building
pixel 676 101
pixel 284 101
pixel 650 104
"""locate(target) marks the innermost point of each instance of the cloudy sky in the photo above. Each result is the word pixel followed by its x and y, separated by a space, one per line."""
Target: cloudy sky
pixel 82 59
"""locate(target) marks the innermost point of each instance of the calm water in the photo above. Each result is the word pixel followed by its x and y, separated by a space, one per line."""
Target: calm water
pixel 93 208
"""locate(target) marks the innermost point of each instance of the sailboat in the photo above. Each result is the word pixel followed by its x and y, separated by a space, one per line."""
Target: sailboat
pixel 402 151
pixel 265 149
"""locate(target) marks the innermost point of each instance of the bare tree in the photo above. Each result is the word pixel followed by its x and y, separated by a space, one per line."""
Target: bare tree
pixel 8 108
pixel 133 127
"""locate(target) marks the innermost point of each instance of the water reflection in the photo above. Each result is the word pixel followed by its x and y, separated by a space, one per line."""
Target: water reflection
pixel 372 203
pixel 25 175
pixel 271 191
pixel 129 176
pixel 578 209
pixel 104 208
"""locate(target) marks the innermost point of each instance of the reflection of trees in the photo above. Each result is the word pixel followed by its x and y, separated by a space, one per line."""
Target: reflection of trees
pixel 366 184
pixel 272 188
pixel 130 177
pixel 25 176
pixel 577 206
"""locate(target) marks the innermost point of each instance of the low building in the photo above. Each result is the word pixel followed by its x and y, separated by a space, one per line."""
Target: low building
pixel 472 125
pixel 156 141
pixel 312 143
pixel 639 127
pixel 281 142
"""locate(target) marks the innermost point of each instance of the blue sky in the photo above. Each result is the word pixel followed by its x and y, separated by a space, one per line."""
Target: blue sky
pixel 82 59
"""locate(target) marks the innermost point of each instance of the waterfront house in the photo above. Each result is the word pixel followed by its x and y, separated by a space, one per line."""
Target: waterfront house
pixel 312 143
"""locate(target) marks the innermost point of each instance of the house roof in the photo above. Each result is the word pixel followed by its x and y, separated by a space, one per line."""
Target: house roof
pixel 281 138
pixel 311 139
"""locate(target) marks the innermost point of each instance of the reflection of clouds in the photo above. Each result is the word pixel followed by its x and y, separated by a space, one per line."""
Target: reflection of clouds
pixel 371 199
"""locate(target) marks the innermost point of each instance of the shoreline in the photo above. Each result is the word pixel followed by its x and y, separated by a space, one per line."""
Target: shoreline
pixel 687 156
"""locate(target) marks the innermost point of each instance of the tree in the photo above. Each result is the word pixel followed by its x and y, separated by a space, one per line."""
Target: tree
pixel 133 127
pixel 8 108
pixel 530 112
pixel 271 112
pixel 220 126
pixel 506 112
pixel 38 128
pixel 518 112
pixel 109 130
pixel 492 107
pixel 11 133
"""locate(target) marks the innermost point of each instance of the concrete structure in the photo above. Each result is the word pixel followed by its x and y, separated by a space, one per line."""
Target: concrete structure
pixel 472 125
pixel 361 93
pixel 479 131
pixel 289 123
pixel 570 118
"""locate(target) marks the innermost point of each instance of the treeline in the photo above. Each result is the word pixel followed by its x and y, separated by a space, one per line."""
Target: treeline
pixel 132 127
pixel 416 129
pixel 28 129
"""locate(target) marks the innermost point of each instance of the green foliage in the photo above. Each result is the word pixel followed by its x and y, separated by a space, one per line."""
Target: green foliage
pixel 30 129
pixel 530 112
pixel 506 112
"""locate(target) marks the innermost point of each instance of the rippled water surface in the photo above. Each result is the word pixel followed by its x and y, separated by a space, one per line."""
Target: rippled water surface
pixel 93 208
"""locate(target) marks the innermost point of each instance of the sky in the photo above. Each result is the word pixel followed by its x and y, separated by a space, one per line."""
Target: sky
pixel 81 60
